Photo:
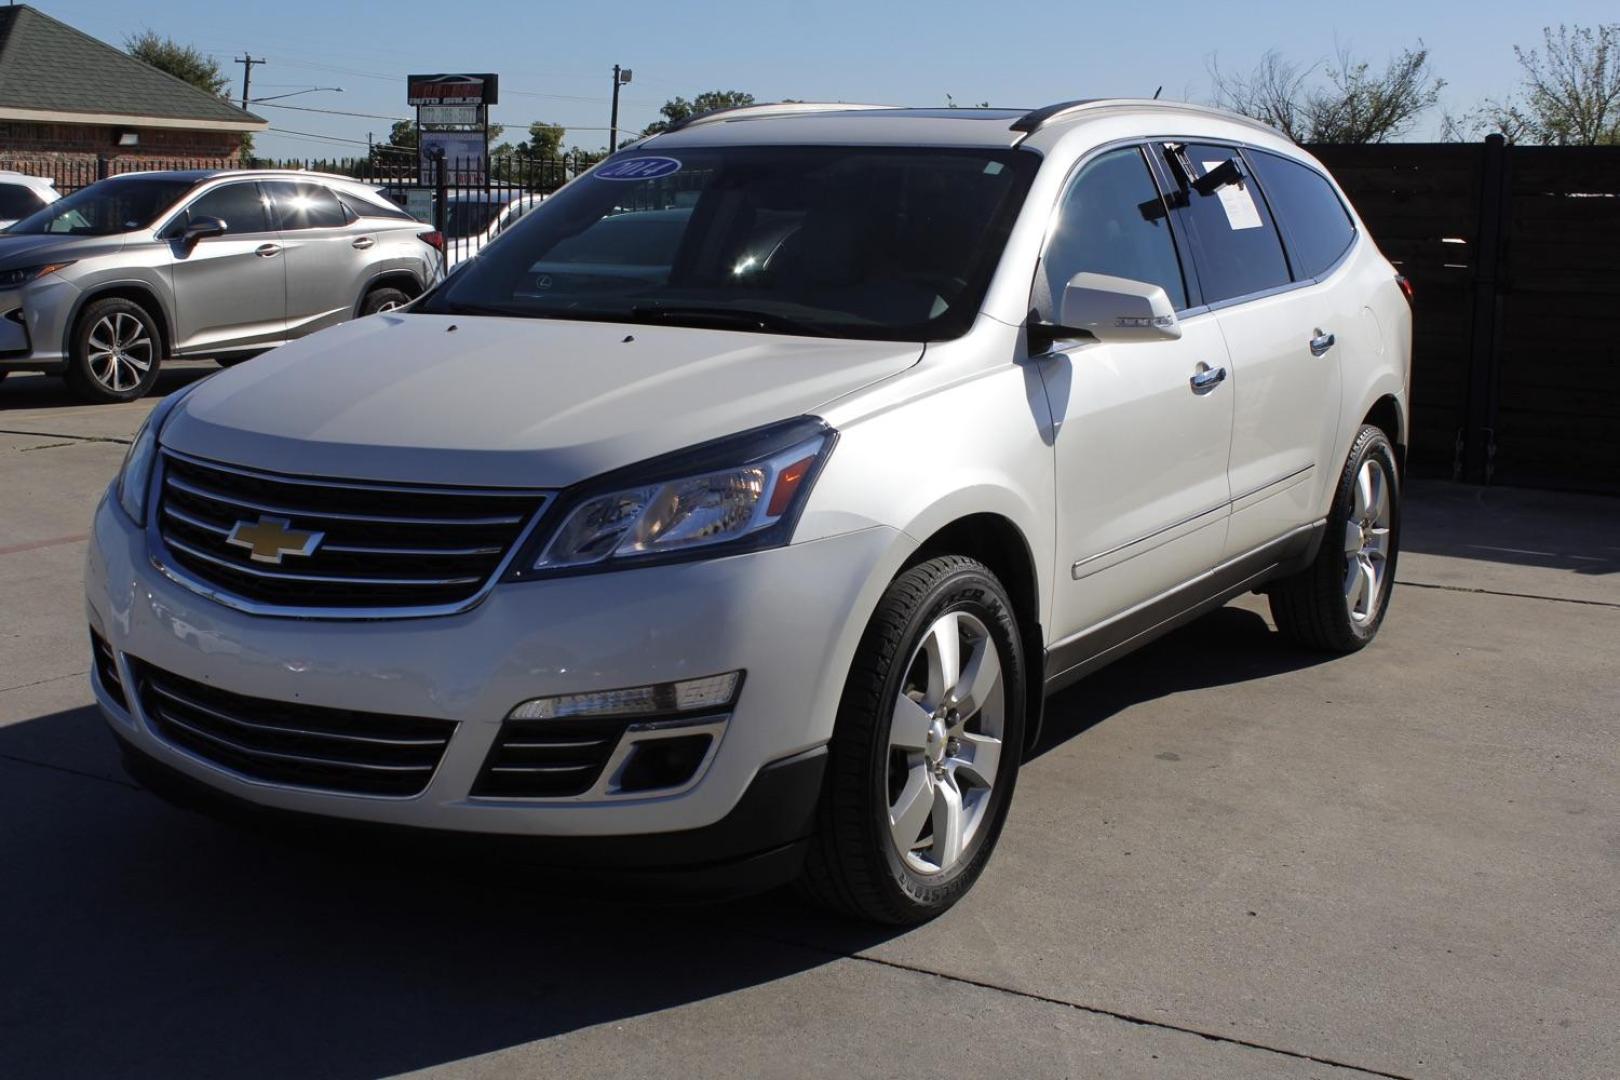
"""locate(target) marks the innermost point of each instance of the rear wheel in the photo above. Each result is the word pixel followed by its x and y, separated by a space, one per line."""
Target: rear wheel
pixel 383 298
pixel 1338 602
pixel 925 753
pixel 116 352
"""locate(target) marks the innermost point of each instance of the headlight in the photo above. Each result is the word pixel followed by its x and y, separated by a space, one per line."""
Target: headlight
pixel 750 504
pixel 135 476
pixel 10 279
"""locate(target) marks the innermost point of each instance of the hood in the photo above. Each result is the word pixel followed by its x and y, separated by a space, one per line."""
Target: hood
pixel 30 249
pixel 510 402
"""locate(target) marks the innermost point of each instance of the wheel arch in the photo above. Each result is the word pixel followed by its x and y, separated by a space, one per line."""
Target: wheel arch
pixel 404 280
pixel 1386 415
pixel 136 292
pixel 998 543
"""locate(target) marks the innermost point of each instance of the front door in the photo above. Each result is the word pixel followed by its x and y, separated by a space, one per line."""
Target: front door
pixel 230 291
pixel 1141 451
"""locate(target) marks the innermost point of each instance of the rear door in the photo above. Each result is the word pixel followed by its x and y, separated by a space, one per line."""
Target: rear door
pixel 1278 333
pixel 230 291
pixel 1141 452
pixel 327 261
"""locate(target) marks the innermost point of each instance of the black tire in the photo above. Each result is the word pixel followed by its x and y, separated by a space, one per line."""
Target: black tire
pixel 1310 608
pixel 383 298
pixel 99 379
pixel 853 864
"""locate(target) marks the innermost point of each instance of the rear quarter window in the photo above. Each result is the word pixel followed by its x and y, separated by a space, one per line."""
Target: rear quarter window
pixel 1318 226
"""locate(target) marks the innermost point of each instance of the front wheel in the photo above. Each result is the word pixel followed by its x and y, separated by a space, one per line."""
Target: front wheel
pixel 1338 602
pixel 116 352
pixel 925 752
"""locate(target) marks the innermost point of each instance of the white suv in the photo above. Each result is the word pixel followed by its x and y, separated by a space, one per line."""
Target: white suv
pixel 735 512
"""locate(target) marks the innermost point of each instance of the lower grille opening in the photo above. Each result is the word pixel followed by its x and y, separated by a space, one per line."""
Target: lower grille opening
pixel 298 745
pixel 101 655
pixel 548 759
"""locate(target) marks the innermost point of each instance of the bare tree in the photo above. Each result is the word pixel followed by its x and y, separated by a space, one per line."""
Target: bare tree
pixel 1344 101
pixel 1570 93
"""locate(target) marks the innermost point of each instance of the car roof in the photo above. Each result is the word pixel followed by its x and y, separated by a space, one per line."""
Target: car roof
pixel 197 176
pixel 852 124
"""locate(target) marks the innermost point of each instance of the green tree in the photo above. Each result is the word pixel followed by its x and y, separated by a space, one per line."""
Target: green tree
pixel 1569 93
pixel 182 61
pixel 678 109
pixel 403 134
pixel 1342 101
pixel 187 63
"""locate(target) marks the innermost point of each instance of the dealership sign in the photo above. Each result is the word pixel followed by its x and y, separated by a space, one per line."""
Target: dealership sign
pixel 481 89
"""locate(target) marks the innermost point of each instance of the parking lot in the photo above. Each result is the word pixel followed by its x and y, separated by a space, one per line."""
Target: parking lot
pixel 1226 859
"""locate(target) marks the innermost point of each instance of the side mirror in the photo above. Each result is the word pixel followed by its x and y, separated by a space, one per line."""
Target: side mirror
pixel 1118 309
pixel 199 228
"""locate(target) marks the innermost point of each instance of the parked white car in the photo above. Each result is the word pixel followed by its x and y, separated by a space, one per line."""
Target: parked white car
pixel 736 513
pixel 500 214
pixel 21 195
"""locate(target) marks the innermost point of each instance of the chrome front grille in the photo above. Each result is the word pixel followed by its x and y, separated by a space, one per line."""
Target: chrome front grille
pixel 349 544
pixel 300 745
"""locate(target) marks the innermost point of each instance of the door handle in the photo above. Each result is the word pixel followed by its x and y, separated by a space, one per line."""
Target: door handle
pixel 1321 343
pixel 265 251
pixel 363 242
pixel 1207 378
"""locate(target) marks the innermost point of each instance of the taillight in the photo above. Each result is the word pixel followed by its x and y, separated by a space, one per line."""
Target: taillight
pixel 1406 286
pixel 433 238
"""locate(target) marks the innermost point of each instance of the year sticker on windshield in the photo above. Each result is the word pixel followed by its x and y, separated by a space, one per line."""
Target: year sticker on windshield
pixel 638 168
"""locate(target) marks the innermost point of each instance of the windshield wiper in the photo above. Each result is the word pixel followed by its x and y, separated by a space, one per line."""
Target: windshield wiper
pixel 741 318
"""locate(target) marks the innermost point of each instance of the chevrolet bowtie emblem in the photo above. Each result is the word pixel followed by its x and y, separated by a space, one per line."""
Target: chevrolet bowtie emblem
pixel 269 538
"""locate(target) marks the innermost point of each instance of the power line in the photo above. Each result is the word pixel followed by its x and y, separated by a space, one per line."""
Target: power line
pixel 330 112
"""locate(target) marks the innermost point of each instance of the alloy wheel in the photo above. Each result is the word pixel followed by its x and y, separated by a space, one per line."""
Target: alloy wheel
pixel 945 743
pixel 1367 542
pixel 120 351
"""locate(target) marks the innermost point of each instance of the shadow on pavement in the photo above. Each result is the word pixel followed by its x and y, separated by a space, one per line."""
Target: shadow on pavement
pixel 1226 646
pixel 141 940
pixel 1552 529
pixel 27 390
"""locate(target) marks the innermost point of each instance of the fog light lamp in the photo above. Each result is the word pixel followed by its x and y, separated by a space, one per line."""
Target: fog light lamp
pixel 688 695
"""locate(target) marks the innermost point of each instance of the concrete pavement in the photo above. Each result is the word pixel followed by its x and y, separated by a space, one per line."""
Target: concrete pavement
pixel 1228 859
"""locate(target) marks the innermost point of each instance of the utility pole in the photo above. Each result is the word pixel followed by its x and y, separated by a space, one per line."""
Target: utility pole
pixel 247 61
pixel 621 77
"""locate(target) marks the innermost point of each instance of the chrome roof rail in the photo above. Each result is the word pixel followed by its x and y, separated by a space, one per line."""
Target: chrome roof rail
pixel 1033 121
pixel 773 109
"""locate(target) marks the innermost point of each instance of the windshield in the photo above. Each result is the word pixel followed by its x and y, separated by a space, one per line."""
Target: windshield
pixel 117 205
pixel 859 242
pixel 467 217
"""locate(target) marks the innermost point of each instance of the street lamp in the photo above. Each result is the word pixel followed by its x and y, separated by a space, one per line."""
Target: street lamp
pixel 621 77
pixel 295 93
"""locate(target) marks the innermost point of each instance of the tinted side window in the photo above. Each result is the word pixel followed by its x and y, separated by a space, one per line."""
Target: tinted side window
pixel 305 206
pixel 17 201
pixel 1319 227
pixel 1239 251
pixel 239 206
pixel 1114 221
pixel 375 208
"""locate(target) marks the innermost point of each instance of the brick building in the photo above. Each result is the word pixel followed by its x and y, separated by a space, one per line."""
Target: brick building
pixel 72 107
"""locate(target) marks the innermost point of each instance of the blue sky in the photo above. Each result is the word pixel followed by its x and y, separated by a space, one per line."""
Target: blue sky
pixel 554 59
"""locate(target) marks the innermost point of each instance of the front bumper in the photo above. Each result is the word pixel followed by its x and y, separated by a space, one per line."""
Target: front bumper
pixel 790 617
pixel 33 324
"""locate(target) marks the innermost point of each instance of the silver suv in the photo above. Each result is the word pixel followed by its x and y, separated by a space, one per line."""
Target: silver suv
pixel 103 284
